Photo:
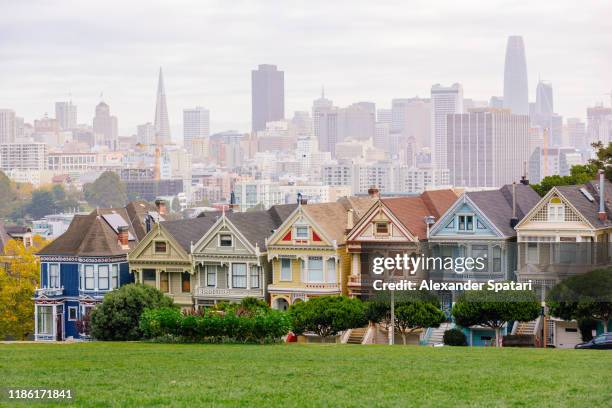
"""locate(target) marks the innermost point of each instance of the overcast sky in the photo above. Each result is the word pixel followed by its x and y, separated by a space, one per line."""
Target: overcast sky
pixel 360 50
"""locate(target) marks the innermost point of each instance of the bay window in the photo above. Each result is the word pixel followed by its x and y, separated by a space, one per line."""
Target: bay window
pixel 89 277
pixel 45 319
pixel 285 274
pixel 255 276
pixel 211 276
pixel 331 271
pixel 114 276
pixel 54 276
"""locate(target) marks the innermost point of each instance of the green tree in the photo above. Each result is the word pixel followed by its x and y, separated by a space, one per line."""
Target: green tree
pixel 414 316
pixel 579 174
pixel 117 317
pixel 107 191
pixel 42 203
pixel 583 297
pixel 176 205
pixel 414 311
pixel 8 196
pixel 494 309
pixel 604 158
pixel 327 315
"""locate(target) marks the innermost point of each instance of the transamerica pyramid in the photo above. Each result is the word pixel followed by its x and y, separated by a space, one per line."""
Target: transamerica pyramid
pixel 162 125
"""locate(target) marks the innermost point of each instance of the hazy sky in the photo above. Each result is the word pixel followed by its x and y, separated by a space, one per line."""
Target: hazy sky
pixel 360 50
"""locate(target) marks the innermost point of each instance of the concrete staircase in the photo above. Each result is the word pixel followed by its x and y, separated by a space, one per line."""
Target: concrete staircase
pixel 356 335
pixel 436 335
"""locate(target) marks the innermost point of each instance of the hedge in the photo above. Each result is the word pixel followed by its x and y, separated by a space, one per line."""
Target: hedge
pixel 214 326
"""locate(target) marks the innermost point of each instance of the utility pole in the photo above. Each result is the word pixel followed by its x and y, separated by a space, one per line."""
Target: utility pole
pixel 392 325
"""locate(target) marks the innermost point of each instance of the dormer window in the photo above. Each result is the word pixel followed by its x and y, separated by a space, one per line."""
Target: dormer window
pixel 466 222
pixel 381 228
pixel 225 240
pixel 556 210
pixel 301 232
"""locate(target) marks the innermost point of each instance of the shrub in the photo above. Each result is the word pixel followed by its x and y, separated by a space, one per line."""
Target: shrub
pixel 117 317
pixel 212 326
pixel 327 315
pixel 454 337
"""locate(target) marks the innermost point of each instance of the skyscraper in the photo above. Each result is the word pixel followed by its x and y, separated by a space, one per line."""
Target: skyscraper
pixel 487 147
pixel 66 115
pixel 544 99
pixel 162 124
pixel 599 124
pixel 196 125
pixel 516 96
pixel 7 126
pixel 105 126
pixel 267 96
pixel 445 100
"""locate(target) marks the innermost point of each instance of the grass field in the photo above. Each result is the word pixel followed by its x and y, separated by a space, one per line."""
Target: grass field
pixel 143 374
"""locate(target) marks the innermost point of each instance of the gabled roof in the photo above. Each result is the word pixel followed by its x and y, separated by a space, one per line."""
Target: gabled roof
pixel 496 205
pixel 256 226
pixel 4 237
pixel 411 211
pixel 332 217
pixel 92 235
pixel 189 231
pixel 587 208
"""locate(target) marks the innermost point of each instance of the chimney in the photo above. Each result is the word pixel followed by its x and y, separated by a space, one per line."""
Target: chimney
pixel 122 236
pixel 524 179
pixel 373 192
pixel 602 215
pixel 161 206
pixel 514 220
pixel 350 221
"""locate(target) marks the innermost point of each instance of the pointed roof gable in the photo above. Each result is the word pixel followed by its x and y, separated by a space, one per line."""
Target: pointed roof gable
pixel 411 211
pixel 496 205
pixel 256 226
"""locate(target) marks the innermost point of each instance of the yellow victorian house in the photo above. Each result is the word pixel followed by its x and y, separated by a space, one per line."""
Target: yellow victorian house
pixel 163 258
pixel 308 251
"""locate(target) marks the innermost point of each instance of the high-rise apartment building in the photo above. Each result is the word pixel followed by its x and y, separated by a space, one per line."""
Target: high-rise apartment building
pixel 23 156
pixel 516 96
pixel 7 126
pixel 445 100
pixel 267 96
pixel 487 147
pixel 105 126
pixel 66 115
pixel 357 121
pixel 162 123
pixel 196 125
pixel 576 133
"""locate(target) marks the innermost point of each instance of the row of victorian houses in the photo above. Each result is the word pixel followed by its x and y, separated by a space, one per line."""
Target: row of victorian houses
pixel 294 252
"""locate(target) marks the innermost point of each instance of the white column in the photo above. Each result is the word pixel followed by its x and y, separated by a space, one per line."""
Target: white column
pixel 248 277
pixel 35 321
pixel 158 279
pixel 53 322
pixel 229 275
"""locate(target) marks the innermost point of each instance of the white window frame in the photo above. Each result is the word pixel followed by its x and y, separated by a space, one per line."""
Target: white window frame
pixel 465 222
pixel 50 322
pixel 331 273
pixel 57 283
pixel 283 276
pixel 103 279
pixel 76 313
pixel 246 274
pixel 301 227
pixel 92 277
pixel 231 240
pixel 211 270
pixel 310 269
pixel 114 279
pixel 556 212
pixel 255 277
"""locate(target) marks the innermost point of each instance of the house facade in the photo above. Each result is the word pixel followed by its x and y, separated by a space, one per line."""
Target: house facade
pixel 567 233
pixel 392 226
pixel 84 264
pixel 308 251
pixel 230 259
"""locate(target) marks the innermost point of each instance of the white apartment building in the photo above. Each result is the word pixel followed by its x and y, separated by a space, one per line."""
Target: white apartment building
pixel 72 163
pixel 7 126
pixel 445 100
pixel 196 125
pixel 24 156
pixel 145 134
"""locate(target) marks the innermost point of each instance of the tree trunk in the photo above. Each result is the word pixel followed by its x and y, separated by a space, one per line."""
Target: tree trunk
pixel 404 338
pixel 605 328
pixel 497 336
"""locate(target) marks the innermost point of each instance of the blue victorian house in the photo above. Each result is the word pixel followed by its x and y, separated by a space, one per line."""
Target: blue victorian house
pixel 480 224
pixel 83 264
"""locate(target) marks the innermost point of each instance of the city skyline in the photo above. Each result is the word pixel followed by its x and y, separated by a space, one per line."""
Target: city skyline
pixel 368 62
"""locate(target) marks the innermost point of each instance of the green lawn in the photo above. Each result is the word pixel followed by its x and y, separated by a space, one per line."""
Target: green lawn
pixel 143 374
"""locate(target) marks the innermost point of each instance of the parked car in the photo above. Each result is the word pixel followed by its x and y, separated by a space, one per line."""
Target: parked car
pixel 601 342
